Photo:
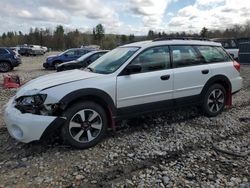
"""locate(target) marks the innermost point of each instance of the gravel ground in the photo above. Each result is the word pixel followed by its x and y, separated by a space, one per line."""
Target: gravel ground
pixel 172 149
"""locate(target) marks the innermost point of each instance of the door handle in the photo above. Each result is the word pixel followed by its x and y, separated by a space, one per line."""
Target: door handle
pixel 165 77
pixel 205 71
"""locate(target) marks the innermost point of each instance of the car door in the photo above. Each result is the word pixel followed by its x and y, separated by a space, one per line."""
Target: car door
pixel 190 71
pixel 153 84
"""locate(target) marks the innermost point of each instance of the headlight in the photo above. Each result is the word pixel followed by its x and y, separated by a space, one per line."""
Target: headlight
pixel 30 104
pixel 32 100
pixel 50 58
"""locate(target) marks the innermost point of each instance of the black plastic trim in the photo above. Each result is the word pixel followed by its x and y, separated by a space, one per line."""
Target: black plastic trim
pixel 236 92
pixel 133 111
pixel 89 92
pixel 217 79
pixel 53 126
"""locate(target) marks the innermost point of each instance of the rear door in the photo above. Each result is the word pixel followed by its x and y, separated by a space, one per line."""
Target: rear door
pixel 153 84
pixel 190 72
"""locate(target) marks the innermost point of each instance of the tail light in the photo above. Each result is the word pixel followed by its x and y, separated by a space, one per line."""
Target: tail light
pixel 236 66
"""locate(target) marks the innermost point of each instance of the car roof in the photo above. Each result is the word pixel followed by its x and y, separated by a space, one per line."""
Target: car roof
pixel 150 43
pixel 97 51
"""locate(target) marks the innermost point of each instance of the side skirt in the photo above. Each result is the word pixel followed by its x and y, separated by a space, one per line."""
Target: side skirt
pixel 136 110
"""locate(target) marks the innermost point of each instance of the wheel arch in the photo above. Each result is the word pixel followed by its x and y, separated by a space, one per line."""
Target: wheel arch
pixel 96 95
pixel 7 61
pixel 57 61
pixel 219 79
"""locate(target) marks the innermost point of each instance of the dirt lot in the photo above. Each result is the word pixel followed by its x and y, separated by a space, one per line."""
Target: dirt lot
pixel 172 149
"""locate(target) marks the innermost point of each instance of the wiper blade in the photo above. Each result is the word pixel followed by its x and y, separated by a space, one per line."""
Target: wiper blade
pixel 90 69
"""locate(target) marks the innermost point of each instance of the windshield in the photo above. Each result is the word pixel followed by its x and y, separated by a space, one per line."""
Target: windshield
pixel 63 52
pixel 85 56
pixel 112 60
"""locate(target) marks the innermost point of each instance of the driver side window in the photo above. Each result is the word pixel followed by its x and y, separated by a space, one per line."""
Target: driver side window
pixel 153 59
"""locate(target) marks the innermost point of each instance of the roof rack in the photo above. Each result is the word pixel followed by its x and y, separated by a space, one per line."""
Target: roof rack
pixel 181 38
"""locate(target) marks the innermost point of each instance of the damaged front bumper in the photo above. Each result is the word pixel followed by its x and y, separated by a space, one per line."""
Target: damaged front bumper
pixel 27 127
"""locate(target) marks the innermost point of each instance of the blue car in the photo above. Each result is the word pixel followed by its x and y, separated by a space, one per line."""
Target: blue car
pixel 68 55
pixel 8 59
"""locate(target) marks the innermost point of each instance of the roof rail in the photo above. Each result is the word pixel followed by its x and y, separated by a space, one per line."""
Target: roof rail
pixel 181 38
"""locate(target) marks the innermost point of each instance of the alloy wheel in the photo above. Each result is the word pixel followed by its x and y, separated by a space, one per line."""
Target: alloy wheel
pixel 85 125
pixel 4 67
pixel 216 100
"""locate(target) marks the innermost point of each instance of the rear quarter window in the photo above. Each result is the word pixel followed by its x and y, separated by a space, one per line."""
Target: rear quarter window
pixel 213 54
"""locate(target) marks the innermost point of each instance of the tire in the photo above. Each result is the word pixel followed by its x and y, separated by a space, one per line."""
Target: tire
pixel 56 63
pixel 60 69
pixel 214 100
pixel 82 130
pixel 5 67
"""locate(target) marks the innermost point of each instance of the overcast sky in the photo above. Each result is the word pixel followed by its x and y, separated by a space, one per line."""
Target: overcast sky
pixel 123 16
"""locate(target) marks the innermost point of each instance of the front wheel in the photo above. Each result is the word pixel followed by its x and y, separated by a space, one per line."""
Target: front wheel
pixel 214 100
pixel 5 67
pixel 86 125
pixel 56 63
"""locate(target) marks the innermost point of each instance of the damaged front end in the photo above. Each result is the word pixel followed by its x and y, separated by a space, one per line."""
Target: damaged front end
pixel 34 104
pixel 33 116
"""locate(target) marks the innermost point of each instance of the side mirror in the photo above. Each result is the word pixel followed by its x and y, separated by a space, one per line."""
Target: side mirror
pixel 131 69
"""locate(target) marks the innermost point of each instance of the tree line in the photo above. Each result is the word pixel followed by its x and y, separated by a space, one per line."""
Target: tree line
pixel 59 39
pixel 236 31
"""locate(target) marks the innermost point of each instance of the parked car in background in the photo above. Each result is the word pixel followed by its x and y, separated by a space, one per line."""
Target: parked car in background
pixel 36 50
pixel 244 52
pixel 81 62
pixel 93 46
pixel 230 45
pixel 24 51
pixel 68 55
pixel 31 50
pixel 130 80
pixel 8 59
pixel 45 49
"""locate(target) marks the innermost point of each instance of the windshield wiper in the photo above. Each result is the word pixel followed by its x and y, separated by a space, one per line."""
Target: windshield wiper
pixel 90 69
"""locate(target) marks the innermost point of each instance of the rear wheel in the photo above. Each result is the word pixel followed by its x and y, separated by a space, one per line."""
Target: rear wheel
pixel 86 125
pixel 5 67
pixel 214 100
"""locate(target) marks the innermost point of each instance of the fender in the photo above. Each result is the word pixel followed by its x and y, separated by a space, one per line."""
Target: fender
pixel 89 92
pixel 221 79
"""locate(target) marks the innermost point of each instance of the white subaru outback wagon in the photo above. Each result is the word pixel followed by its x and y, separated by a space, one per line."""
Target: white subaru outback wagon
pixel 129 80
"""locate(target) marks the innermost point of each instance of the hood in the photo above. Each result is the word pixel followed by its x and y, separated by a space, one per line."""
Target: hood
pixel 50 80
pixel 52 56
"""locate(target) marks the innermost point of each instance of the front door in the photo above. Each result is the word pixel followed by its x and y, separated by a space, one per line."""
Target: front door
pixel 153 84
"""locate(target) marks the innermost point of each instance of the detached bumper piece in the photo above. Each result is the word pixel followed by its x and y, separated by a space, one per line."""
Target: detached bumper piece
pixel 11 81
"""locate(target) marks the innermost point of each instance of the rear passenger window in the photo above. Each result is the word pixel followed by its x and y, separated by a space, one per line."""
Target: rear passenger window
pixel 213 54
pixel 184 56
pixel 153 59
